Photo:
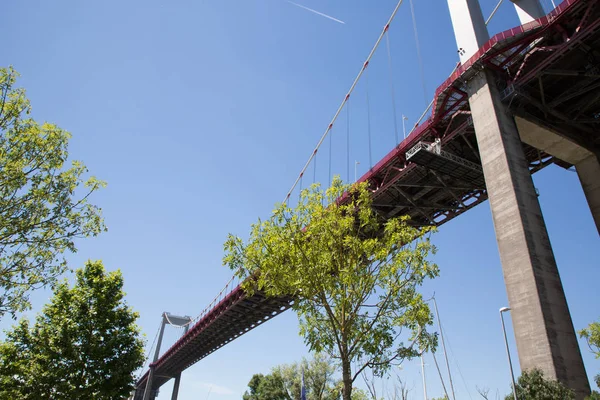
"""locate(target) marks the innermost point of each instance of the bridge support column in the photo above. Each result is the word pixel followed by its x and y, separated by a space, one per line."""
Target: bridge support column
pixel 542 323
pixel 543 328
pixel 585 162
pixel 176 387
pixel 528 10
pixel 148 395
pixel 589 176
pixel 178 377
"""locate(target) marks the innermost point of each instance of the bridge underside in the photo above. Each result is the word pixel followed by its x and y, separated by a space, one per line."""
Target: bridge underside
pixel 235 315
pixel 549 73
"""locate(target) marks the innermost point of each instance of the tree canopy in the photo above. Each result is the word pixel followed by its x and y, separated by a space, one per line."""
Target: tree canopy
pixel 285 382
pixel 83 345
pixel 532 385
pixel 354 276
pixel 592 336
pixel 266 387
pixel 43 203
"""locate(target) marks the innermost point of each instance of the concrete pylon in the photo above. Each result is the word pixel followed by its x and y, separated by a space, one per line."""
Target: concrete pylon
pixel 585 162
pixel 542 323
pixel 588 170
pixel 175 393
pixel 528 10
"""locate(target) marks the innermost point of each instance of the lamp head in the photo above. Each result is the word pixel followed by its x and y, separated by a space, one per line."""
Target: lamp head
pixel 504 309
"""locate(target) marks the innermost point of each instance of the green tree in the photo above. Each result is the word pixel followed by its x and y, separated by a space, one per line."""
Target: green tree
pixel 354 277
pixel 533 386
pixel 285 381
pixel 267 387
pixel 359 394
pixel 594 396
pixel 319 381
pixel 253 387
pixel 43 204
pixel 83 345
pixel 319 377
pixel 592 336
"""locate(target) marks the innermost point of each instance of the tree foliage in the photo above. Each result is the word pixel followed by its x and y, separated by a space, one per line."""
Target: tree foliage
pixel 354 277
pixel 266 387
pixel 595 395
pixel 285 381
pixel 83 345
pixel 592 335
pixel 43 204
pixel 533 386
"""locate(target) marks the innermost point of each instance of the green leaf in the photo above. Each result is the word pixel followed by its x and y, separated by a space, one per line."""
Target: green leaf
pixel 355 277
pixel 83 345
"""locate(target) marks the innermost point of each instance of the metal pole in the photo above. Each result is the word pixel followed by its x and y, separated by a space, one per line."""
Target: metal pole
pixel 355 164
pixel 512 374
pixel 487 21
pixel 156 354
pixel 437 314
pixel 423 374
pixel 403 126
pixel 178 377
pixel 148 389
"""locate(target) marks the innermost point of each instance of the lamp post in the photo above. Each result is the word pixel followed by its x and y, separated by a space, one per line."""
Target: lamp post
pixel 437 314
pixel 355 164
pixel 404 118
pixel 512 374
pixel 423 374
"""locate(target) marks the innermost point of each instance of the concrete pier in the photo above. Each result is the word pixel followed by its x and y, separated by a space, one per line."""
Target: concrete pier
pixel 542 323
pixel 585 162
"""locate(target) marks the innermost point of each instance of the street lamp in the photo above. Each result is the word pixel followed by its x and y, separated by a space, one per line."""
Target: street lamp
pixel 403 126
pixel 355 164
pixel 512 374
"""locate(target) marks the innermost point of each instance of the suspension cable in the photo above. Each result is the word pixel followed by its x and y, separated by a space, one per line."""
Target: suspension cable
pixel 147 357
pixel 440 374
pixel 414 21
pixel 458 367
pixel 345 100
pixel 214 300
pixel 330 156
pixel 348 142
pixel 178 326
pixel 315 169
pixel 389 52
pixel 487 21
pixel 369 119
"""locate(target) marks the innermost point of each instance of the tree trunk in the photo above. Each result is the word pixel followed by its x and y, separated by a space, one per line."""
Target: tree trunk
pixel 347 380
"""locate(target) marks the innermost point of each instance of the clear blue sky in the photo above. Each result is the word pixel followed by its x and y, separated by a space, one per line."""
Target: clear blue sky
pixel 200 113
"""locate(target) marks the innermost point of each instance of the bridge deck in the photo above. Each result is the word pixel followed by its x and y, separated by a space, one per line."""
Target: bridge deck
pixel 547 70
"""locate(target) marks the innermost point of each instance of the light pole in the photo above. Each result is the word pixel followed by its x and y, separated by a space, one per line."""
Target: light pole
pixel 512 374
pixel 437 314
pixel 355 164
pixel 423 374
pixel 403 126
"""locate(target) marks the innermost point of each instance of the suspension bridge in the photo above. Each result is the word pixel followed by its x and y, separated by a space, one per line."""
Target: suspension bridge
pixel 517 102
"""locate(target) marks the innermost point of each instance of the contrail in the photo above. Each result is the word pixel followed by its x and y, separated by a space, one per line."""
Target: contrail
pixel 316 12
